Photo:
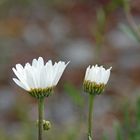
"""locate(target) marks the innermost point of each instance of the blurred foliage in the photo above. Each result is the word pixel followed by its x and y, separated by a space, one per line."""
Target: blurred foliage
pixel 129 32
pixel 15 2
pixel 113 5
pixel 74 93
pixel 129 127
pixel 99 29
pixel 133 30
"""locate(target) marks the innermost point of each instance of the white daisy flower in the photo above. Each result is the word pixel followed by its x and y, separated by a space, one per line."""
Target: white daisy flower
pixel 96 78
pixel 39 78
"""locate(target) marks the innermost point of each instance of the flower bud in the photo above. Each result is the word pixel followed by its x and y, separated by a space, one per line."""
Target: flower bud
pixel 46 125
pixel 95 79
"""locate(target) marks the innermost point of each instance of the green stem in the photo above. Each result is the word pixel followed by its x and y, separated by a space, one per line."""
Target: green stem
pixel 40 116
pixel 91 102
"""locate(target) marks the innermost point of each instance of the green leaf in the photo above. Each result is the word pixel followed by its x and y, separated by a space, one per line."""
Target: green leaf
pixel 105 137
pixel 89 138
pixel 127 116
pixel 138 112
pixel 129 32
pixel 119 135
pixel 73 92
pixel 101 20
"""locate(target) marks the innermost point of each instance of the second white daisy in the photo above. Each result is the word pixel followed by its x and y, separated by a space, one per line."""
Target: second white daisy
pixel 96 78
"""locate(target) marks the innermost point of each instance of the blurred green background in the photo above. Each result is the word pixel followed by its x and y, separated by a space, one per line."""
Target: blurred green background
pixel 85 32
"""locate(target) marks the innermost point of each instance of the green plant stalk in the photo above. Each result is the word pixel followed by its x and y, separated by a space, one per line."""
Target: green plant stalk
pixel 40 118
pixel 90 123
pixel 127 10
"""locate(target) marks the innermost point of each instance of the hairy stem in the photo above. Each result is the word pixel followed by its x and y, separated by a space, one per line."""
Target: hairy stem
pixel 40 117
pixel 90 123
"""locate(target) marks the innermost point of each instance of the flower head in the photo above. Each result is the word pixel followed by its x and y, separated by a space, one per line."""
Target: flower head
pixel 95 79
pixel 39 78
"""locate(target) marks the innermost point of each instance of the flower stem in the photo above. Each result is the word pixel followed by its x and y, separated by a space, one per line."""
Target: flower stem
pixel 91 102
pixel 40 117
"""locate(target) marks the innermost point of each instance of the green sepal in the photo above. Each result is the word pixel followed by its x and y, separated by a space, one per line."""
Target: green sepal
pixel 93 88
pixel 40 93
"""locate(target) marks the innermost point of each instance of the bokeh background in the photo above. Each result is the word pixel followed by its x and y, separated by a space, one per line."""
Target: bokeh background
pixel 84 32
